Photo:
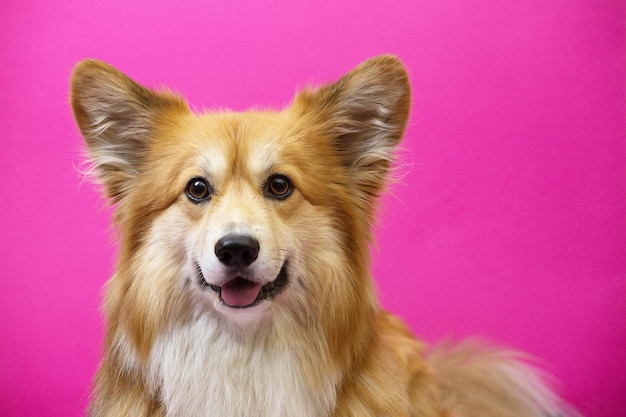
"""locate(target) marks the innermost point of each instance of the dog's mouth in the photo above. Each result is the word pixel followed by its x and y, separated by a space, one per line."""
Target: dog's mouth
pixel 240 292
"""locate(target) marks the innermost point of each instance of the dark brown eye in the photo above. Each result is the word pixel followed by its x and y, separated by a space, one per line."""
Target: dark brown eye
pixel 278 186
pixel 198 190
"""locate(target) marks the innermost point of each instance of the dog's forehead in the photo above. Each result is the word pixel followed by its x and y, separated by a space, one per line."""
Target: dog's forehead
pixel 230 143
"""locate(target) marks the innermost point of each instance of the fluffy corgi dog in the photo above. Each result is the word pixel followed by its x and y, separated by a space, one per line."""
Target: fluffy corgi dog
pixel 242 287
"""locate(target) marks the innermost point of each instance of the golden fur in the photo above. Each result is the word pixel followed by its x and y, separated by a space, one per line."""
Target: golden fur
pixel 322 345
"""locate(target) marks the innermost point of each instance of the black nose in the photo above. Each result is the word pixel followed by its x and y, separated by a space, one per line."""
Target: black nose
pixel 237 250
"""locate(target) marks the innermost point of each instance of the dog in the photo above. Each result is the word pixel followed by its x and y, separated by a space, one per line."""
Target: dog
pixel 242 286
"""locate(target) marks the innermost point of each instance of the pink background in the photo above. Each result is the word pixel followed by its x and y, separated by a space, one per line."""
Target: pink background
pixel 509 222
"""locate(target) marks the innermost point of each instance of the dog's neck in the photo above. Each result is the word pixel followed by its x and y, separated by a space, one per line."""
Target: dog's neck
pixel 200 369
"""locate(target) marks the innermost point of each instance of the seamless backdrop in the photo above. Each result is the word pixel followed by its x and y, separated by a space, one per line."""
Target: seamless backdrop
pixel 509 219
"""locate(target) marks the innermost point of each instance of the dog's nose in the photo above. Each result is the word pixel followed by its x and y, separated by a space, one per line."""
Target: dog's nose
pixel 237 250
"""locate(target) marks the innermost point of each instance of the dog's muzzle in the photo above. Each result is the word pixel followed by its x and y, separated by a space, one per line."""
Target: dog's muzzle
pixel 239 252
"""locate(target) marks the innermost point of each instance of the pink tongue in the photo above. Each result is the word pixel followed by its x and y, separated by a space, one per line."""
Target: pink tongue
pixel 240 292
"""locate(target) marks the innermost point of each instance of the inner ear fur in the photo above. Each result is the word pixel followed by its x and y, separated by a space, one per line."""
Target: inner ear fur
pixel 364 114
pixel 118 119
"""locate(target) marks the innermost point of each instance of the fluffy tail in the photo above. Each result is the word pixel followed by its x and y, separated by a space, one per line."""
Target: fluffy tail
pixel 480 381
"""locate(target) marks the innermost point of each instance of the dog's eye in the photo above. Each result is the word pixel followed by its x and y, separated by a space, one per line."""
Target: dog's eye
pixel 198 190
pixel 278 186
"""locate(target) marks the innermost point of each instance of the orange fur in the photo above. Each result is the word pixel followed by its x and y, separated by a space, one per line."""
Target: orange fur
pixel 321 346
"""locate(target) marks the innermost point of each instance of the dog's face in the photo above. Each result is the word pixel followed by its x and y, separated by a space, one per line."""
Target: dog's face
pixel 244 216
pixel 240 223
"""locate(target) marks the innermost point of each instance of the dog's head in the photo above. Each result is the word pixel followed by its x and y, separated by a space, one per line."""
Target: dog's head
pixel 241 214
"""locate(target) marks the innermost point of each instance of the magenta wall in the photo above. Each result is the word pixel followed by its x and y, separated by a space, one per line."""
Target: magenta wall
pixel 509 221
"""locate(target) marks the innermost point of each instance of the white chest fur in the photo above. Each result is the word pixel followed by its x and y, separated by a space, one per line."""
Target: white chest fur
pixel 200 370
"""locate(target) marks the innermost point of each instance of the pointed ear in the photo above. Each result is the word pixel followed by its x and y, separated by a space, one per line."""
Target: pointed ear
pixel 118 119
pixel 365 114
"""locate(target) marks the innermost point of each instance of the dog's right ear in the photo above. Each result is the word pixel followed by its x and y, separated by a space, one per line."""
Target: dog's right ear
pixel 364 114
pixel 118 120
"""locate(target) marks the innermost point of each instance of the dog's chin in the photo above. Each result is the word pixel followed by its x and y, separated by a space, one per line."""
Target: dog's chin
pixel 240 295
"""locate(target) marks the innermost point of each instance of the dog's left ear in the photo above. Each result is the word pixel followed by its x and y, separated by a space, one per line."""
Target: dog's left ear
pixel 118 119
pixel 365 114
